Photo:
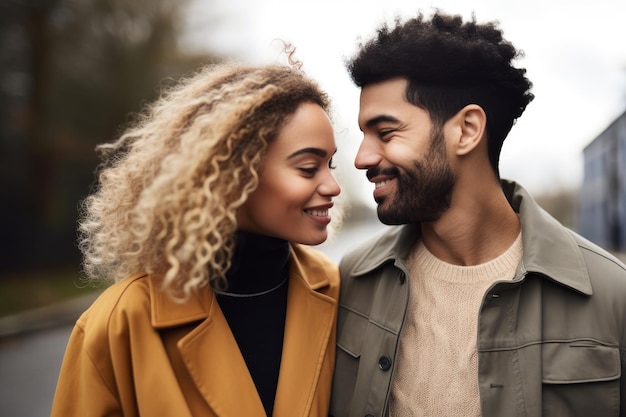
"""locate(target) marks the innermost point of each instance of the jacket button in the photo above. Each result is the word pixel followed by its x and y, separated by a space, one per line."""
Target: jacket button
pixel 384 363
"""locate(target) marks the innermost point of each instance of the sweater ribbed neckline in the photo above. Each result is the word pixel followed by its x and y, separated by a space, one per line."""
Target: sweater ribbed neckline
pixel 437 269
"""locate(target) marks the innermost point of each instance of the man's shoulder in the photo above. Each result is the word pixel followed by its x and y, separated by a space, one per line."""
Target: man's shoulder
pixel 599 261
pixel 374 251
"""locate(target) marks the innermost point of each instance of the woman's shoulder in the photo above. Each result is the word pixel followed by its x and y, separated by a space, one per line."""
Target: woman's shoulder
pixel 115 321
pixel 128 299
pixel 310 256
pixel 316 266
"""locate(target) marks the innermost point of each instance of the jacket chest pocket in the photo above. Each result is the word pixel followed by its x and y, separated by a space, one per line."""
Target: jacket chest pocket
pixel 580 378
pixel 351 332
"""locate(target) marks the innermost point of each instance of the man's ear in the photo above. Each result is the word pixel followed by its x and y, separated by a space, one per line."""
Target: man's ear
pixel 472 124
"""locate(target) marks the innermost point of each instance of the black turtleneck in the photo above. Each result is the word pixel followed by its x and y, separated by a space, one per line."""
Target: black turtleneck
pixel 255 305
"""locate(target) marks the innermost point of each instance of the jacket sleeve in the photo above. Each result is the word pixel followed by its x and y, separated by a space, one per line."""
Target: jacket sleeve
pixel 82 389
pixel 622 389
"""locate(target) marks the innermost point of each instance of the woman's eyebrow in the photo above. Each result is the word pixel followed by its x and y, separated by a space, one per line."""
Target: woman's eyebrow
pixel 315 151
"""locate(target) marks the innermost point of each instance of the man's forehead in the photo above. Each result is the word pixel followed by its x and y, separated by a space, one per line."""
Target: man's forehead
pixel 394 87
pixel 383 102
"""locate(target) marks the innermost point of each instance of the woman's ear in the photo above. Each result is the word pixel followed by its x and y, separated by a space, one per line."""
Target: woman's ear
pixel 472 122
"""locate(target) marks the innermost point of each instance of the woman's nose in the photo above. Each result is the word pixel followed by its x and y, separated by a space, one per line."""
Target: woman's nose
pixel 329 185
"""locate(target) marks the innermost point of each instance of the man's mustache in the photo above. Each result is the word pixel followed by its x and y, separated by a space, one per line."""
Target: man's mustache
pixel 376 171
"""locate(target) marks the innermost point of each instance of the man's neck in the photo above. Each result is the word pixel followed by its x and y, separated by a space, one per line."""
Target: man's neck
pixel 475 230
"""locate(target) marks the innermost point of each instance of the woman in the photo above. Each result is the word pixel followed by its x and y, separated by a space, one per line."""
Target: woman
pixel 199 217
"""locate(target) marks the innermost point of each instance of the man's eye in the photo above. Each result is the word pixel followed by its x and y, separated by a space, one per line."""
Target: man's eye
pixel 385 134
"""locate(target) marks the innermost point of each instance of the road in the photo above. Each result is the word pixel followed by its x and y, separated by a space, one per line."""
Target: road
pixel 29 365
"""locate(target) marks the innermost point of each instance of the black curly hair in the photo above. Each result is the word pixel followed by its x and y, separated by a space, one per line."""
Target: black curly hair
pixel 449 64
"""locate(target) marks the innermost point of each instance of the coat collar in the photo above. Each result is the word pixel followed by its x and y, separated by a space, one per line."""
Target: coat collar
pixel 550 249
pixel 213 359
pixel 168 313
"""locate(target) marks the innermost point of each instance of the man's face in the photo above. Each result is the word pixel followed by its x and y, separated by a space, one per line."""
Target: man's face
pixel 405 157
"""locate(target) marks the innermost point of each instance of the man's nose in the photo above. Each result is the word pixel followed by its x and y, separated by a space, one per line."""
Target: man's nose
pixel 368 154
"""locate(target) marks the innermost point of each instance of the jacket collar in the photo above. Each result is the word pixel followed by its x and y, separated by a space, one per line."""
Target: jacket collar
pixel 393 245
pixel 550 249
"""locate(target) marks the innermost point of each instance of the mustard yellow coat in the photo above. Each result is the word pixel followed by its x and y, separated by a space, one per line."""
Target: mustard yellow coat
pixel 135 352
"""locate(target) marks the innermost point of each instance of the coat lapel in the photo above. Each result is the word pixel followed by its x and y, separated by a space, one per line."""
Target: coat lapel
pixel 210 354
pixel 214 361
pixel 310 320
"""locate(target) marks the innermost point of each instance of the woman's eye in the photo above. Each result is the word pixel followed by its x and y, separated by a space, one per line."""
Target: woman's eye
pixel 308 171
pixel 331 164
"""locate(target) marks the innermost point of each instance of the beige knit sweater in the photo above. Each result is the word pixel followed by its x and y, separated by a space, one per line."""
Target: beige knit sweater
pixel 436 372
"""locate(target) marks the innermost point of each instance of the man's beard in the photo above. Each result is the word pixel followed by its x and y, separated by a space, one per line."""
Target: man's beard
pixel 422 193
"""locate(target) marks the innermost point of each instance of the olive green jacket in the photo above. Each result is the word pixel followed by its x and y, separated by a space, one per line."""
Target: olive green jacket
pixel 551 341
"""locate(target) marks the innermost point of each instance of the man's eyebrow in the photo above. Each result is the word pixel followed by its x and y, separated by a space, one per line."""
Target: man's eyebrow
pixel 315 151
pixel 383 118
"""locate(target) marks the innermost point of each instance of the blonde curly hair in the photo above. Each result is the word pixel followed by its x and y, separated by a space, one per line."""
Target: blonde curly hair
pixel 170 186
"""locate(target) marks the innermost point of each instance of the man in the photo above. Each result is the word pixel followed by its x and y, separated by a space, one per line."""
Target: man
pixel 480 303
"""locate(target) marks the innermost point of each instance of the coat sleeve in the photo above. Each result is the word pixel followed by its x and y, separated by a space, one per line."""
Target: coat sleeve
pixel 82 389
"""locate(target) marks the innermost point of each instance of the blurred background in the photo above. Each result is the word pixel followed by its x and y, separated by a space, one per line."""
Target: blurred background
pixel 72 72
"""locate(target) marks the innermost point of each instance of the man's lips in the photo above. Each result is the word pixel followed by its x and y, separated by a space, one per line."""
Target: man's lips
pixel 380 183
pixel 382 186
pixel 381 176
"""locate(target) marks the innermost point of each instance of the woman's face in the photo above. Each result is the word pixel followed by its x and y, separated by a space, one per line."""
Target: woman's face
pixel 296 185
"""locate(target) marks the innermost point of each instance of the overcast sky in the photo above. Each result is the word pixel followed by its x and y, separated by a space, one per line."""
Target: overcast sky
pixel 575 55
